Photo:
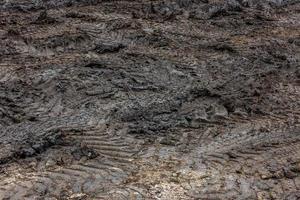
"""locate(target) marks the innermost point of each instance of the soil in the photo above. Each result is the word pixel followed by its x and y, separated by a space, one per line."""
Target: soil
pixel 173 99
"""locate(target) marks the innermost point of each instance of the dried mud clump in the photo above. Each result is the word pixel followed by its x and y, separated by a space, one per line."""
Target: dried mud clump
pixel 172 99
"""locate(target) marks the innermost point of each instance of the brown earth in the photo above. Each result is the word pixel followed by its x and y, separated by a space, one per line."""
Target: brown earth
pixel 174 99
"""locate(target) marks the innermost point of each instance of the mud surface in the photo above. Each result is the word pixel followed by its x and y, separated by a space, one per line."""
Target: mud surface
pixel 183 99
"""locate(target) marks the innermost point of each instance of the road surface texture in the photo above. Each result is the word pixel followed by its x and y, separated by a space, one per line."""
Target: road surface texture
pixel 149 99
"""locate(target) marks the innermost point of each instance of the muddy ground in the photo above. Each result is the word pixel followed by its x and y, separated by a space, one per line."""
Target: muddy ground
pixel 149 99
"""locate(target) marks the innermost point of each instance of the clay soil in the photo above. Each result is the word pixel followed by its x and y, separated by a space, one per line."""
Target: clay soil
pixel 149 99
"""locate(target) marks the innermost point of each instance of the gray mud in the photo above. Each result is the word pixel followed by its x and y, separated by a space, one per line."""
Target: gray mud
pixel 183 99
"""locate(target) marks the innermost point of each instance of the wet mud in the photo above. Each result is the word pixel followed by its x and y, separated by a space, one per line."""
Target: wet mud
pixel 173 99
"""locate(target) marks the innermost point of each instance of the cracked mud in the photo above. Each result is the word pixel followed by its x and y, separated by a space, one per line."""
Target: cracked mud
pixel 173 99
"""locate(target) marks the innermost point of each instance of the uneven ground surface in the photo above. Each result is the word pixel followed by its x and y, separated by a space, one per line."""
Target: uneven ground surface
pixel 183 99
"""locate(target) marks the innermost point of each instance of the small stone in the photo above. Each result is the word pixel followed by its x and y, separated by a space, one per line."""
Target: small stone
pixel 78 196
pixel 50 163
pixel 148 30
pixel 220 111
pixel 200 116
pixel 32 164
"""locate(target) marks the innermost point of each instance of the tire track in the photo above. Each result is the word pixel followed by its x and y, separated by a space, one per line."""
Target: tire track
pixel 112 165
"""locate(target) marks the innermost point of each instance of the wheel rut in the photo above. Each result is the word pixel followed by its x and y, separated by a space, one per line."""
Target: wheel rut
pixel 163 99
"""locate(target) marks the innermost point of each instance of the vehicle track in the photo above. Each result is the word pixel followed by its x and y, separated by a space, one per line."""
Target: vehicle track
pixel 149 99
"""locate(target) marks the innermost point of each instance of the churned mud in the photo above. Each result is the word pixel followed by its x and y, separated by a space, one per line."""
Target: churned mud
pixel 149 99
